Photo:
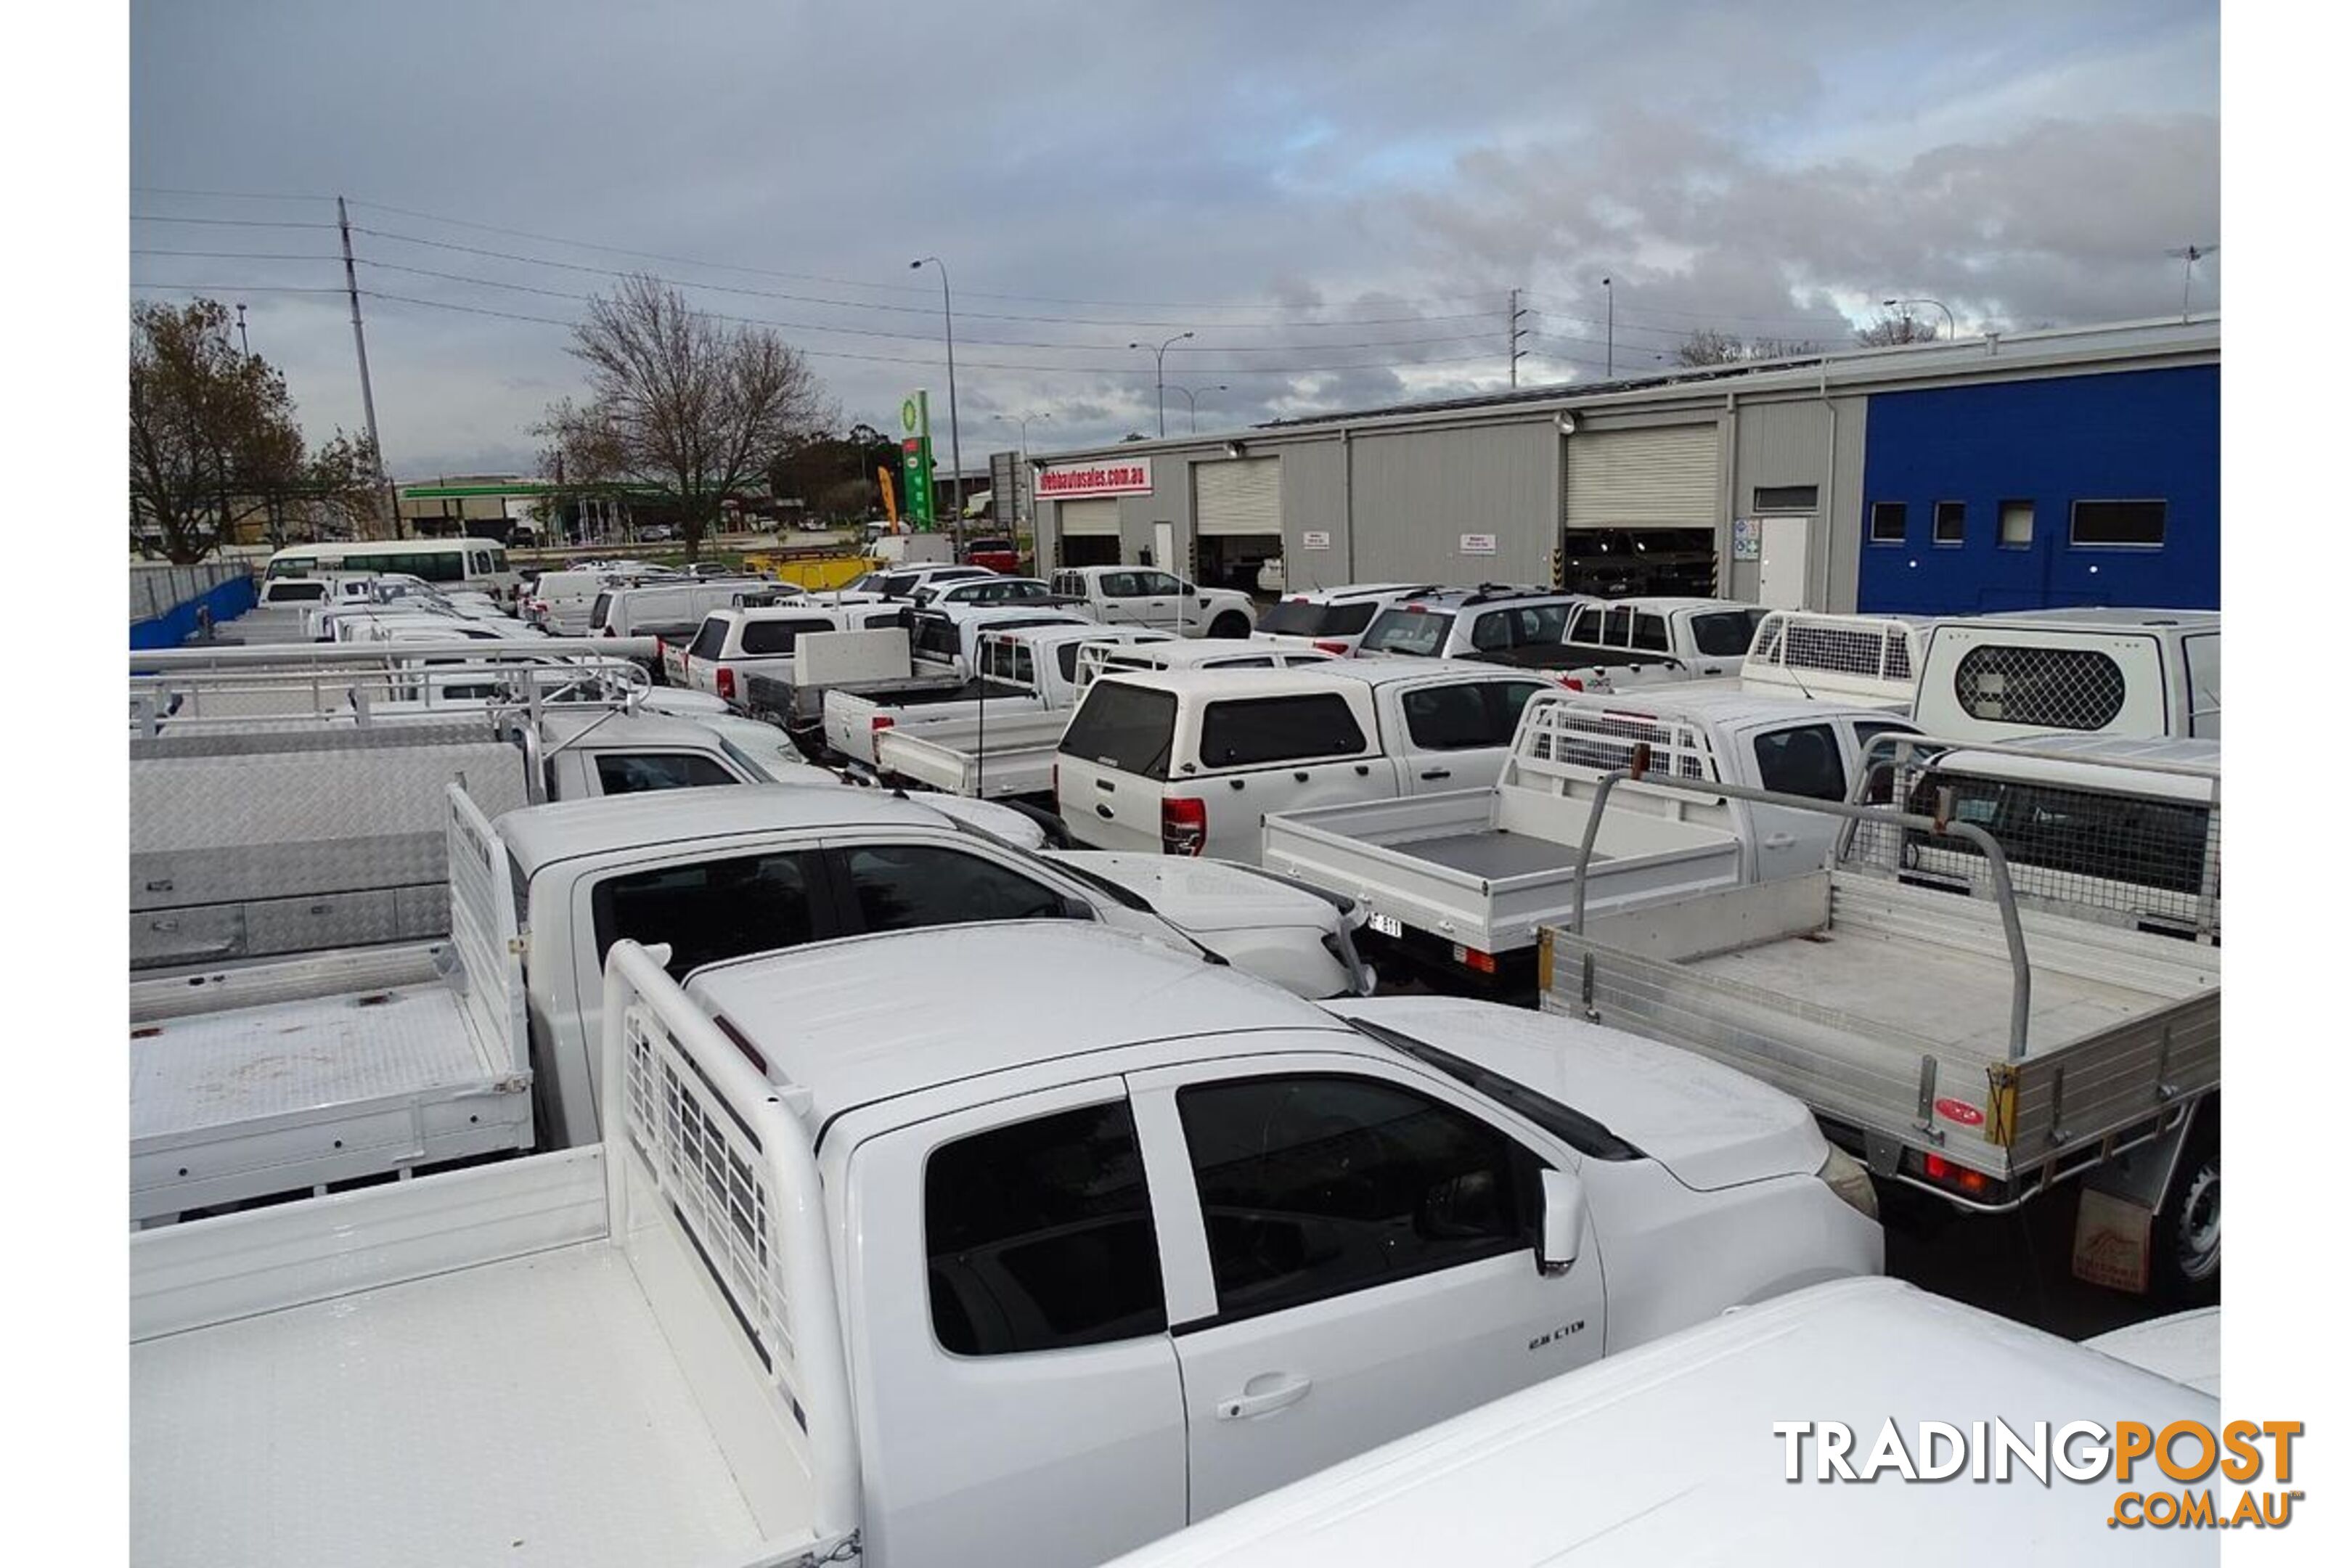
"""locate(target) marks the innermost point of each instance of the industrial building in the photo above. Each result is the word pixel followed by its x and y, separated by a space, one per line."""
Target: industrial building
pixel 2079 465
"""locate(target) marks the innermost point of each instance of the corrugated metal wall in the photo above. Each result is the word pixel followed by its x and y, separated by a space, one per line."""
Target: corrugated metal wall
pixel 1787 443
pixel 1418 492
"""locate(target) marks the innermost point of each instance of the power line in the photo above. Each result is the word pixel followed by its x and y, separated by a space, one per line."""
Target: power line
pixel 226 222
pixel 237 255
pixel 230 289
pixel 228 195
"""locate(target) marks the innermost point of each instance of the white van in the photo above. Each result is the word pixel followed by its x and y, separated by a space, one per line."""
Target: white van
pixel 479 563
pixel 672 610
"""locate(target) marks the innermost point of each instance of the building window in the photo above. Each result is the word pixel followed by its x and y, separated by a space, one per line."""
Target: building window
pixel 1888 519
pixel 1951 521
pixel 1787 498
pixel 2131 525
pixel 2016 525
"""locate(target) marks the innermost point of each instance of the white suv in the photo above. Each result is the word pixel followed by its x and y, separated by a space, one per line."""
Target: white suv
pixel 1469 622
pixel 1334 619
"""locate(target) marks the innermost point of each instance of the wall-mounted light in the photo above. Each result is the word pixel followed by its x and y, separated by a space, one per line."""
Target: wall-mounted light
pixel 1567 423
pixel 1232 448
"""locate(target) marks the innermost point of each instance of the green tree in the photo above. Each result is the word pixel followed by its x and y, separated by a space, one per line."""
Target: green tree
pixel 212 433
pixel 682 404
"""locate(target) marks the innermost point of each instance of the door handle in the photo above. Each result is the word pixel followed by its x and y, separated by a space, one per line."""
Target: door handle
pixel 1102 812
pixel 1778 840
pixel 1300 776
pixel 1363 769
pixel 1437 773
pixel 1286 1390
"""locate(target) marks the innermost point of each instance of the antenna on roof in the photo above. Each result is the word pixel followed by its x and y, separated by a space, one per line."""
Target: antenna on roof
pixel 2189 256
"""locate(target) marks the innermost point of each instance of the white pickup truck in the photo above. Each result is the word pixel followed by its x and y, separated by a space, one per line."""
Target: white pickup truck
pixel 733 644
pixel 1462 882
pixel 1140 596
pixel 1187 761
pixel 878 1257
pixel 273 1078
pixel 1572 1470
pixel 1703 637
pixel 2131 674
pixel 1978 1050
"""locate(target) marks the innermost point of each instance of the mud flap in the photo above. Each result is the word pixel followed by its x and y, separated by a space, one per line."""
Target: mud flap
pixel 2111 1241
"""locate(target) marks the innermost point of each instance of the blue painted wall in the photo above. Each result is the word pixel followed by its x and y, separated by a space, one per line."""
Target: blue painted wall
pixel 2126 435
pixel 226 600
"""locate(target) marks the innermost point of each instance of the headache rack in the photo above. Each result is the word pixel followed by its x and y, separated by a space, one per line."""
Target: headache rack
pixel 1966 1046
pixel 295 688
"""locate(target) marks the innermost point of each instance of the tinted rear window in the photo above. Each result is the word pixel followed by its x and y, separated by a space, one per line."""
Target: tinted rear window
pixel 1725 633
pixel 1241 732
pixel 1126 727
pixel 604 607
pixel 1408 631
pixel 708 640
pixel 777 636
pixel 296 592
pixel 1299 618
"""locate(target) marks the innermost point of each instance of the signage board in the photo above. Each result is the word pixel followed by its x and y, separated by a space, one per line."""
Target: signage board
pixel 1746 539
pixel 1315 538
pixel 1477 544
pixel 1073 481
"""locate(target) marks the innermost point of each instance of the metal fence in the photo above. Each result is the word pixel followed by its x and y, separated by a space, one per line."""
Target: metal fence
pixel 2092 832
pixel 158 588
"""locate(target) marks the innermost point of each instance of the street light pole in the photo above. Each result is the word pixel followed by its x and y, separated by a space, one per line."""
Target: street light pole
pixel 1159 376
pixel 1608 292
pixel 955 427
pixel 1024 494
pixel 1191 402
pixel 244 345
pixel 1951 322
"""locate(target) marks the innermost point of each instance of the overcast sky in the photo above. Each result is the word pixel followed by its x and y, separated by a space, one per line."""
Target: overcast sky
pixel 1333 197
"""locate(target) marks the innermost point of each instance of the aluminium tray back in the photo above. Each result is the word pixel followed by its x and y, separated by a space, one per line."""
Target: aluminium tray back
pixel 1885 1068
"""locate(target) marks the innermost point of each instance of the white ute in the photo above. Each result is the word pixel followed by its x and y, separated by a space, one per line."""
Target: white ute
pixel 1189 762
pixel 1669 1455
pixel 1464 880
pixel 1140 596
pixel 879 1258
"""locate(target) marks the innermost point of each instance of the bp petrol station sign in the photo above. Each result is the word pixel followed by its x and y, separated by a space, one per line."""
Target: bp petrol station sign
pixel 915 457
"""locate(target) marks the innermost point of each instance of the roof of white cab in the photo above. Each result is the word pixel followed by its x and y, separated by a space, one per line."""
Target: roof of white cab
pixel 1719 704
pixel 1668 604
pixel 1360 591
pixel 843 1019
pixel 1665 1453
pixel 1251 682
pixel 2094 618
pixel 538 836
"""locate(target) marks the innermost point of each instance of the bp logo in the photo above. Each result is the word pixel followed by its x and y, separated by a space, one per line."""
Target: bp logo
pixel 911 417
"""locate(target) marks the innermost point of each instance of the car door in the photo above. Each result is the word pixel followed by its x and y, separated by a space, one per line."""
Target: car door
pixel 1008 1283
pixel 1349 1250
pixel 1457 733
pixel 1260 755
pixel 1163 602
pixel 1804 758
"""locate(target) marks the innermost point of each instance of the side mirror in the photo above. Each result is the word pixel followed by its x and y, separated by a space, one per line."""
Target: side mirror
pixel 1561 1234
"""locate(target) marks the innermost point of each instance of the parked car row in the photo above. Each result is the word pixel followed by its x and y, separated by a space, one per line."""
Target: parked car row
pixel 763 1140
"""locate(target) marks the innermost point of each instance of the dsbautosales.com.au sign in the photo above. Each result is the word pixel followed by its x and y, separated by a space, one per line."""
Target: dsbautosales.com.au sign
pixel 1071 481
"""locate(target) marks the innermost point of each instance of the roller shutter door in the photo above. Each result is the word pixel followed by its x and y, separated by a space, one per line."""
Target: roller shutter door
pixel 1237 498
pixel 1089 519
pixel 1644 478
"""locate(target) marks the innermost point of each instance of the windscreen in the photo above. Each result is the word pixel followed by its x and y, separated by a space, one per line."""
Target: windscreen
pixel 1408 631
pixel 1304 618
pixel 1125 728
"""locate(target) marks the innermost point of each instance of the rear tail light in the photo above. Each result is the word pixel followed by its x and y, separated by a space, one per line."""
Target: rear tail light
pixel 1338 647
pixel 1959 1178
pixel 1470 958
pixel 883 722
pixel 1571 683
pixel 726 684
pixel 1183 827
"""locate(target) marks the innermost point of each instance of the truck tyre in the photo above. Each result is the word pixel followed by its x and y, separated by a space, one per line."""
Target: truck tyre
pixel 2185 1244
pixel 1231 625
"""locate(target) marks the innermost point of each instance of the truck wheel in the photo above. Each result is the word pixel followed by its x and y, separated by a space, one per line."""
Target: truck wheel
pixel 2185 1244
pixel 1230 625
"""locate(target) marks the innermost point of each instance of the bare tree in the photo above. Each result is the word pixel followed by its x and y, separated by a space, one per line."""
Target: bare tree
pixel 678 403
pixel 1891 331
pixel 1707 346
